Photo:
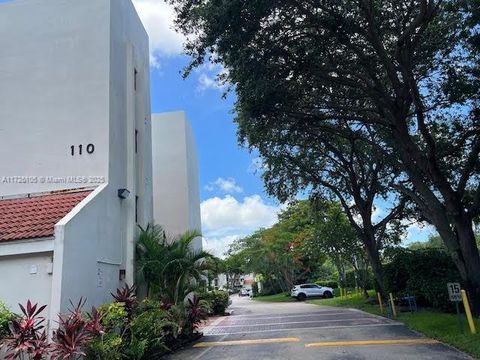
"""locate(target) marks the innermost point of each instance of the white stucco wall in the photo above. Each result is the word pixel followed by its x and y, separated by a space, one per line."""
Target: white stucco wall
pixel 130 165
pixel 26 267
pixel 176 200
pixel 54 91
pixel 89 251
pixel 67 76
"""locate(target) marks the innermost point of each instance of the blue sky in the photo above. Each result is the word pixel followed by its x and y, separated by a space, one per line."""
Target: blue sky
pixel 233 203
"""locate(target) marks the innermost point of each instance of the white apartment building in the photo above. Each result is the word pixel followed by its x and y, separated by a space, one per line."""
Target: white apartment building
pixel 76 151
pixel 176 196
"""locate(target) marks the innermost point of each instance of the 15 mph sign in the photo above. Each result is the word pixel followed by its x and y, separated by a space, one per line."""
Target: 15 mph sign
pixel 454 291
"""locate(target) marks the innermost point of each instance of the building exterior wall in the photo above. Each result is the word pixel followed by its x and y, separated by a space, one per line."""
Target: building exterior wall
pixel 54 93
pixel 176 201
pixel 130 124
pixel 26 277
pixel 89 252
pixel 77 73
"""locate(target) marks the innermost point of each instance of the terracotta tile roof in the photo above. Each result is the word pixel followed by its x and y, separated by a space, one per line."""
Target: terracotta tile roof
pixel 35 217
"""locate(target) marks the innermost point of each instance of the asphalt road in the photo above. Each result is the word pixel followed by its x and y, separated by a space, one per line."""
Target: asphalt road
pixel 262 331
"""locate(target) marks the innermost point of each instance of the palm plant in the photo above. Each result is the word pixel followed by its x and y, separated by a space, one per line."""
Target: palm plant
pixel 169 267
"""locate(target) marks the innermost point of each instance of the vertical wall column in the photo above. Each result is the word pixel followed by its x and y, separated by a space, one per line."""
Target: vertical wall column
pixel 130 235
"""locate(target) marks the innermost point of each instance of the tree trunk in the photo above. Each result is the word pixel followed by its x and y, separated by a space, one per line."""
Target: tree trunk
pixel 361 271
pixel 341 272
pixel 448 215
pixel 471 260
pixel 374 258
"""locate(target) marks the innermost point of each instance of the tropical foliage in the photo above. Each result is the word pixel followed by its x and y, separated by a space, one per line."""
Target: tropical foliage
pixel 125 329
pixel 5 317
pixel 170 267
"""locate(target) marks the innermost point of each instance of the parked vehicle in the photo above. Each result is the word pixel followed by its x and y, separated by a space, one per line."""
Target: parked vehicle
pixel 303 291
pixel 245 292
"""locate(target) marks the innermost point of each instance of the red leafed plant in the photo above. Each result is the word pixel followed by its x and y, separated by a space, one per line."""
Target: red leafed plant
pixel 28 334
pixel 73 334
pixel 196 312
pixel 94 325
pixel 126 295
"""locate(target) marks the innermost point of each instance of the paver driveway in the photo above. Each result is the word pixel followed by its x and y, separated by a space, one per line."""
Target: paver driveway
pixel 296 330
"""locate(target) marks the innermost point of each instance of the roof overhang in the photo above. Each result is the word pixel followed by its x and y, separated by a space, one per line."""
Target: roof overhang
pixel 25 247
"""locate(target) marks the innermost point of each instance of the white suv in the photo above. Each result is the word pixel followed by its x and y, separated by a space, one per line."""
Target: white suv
pixel 303 291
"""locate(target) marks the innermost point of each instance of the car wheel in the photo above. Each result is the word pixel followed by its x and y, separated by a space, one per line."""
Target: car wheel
pixel 327 294
pixel 301 297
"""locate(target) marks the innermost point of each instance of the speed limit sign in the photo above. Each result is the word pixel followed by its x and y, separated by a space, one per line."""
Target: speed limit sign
pixel 454 291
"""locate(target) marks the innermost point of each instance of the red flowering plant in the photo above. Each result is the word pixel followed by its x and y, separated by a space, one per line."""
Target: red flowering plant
pixel 74 333
pixel 28 334
pixel 197 311
pixel 126 296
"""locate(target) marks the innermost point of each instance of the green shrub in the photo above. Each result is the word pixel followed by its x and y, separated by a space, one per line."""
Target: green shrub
pixel 328 283
pixel 148 334
pixel 5 317
pixel 111 344
pixel 114 316
pixel 105 347
pixel 270 287
pixel 423 273
pixel 217 300
pixel 152 332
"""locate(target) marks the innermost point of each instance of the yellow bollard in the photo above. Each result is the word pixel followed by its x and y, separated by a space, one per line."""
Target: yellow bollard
pixel 468 312
pixel 380 302
pixel 394 311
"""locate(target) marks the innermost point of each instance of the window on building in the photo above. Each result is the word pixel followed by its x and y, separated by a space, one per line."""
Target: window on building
pixel 136 209
pixel 135 76
pixel 136 141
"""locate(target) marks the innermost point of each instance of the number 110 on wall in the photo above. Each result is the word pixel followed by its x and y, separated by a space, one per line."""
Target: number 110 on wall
pixel 79 149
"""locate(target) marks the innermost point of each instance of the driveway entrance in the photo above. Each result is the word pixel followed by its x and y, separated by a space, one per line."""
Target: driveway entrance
pixel 259 331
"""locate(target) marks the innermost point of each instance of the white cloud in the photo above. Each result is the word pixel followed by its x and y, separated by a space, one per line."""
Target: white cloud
pixel 227 215
pixel 206 82
pixel 218 246
pixel 227 186
pixel 207 78
pixel 226 219
pixel 157 18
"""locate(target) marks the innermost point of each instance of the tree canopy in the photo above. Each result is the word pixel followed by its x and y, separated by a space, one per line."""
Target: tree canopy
pixel 403 76
pixel 295 249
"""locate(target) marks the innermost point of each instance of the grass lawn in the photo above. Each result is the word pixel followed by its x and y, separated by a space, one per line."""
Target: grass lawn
pixel 444 327
pixel 356 302
pixel 436 325
pixel 283 297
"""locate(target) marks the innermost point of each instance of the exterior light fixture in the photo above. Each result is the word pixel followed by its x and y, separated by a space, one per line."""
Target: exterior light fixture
pixel 123 193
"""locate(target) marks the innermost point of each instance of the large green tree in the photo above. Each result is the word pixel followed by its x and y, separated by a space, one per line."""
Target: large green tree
pixel 279 253
pixel 335 236
pixel 333 162
pixel 406 69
